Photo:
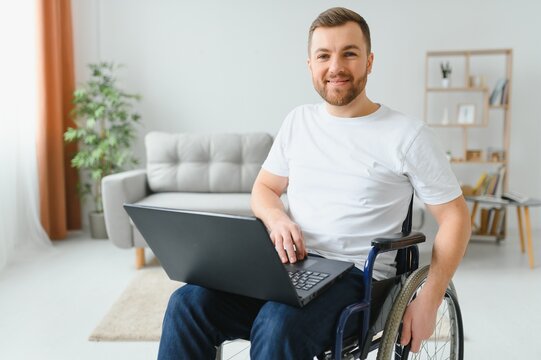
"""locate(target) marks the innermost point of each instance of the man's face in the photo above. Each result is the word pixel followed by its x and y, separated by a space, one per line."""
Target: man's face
pixel 339 63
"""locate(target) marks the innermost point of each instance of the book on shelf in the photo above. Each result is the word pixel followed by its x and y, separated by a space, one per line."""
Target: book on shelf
pixel 501 230
pixel 497 93
pixel 501 176
pixel 491 187
pixel 491 221
pixel 490 184
pixel 494 188
pixel 479 183
pixel 483 227
pixel 496 218
pixel 505 93
pixel 484 186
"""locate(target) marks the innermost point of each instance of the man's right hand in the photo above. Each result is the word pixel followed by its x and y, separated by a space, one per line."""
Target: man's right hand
pixel 287 237
pixel 266 204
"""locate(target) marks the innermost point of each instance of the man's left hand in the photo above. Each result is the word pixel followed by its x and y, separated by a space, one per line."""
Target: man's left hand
pixel 419 320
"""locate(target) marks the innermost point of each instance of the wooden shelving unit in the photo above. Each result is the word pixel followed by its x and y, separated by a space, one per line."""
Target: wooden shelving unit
pixel 474 76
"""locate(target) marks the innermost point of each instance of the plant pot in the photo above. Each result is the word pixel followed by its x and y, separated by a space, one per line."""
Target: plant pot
pixel 97 225
pixel 445 82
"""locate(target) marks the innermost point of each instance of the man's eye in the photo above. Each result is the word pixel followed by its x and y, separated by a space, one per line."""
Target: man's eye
pixel 323 56
pixel 350 54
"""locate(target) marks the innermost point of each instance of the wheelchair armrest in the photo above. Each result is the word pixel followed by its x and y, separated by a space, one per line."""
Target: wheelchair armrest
pixel 398 241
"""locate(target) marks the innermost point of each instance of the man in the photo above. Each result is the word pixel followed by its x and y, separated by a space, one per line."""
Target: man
pixel 349 166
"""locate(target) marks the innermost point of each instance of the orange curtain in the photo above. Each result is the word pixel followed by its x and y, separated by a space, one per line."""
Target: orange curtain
pixel 60 208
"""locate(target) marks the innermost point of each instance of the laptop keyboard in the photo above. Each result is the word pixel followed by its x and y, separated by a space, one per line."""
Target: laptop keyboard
pixel 305 280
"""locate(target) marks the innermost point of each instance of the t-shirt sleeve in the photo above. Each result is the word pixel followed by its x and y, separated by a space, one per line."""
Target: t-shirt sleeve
pixel 429 171
pixel 277 159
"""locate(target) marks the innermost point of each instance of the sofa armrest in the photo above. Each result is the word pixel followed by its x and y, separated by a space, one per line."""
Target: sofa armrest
pixel 118 189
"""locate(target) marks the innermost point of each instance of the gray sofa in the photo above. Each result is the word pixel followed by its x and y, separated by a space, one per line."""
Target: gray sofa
pixel 185 171
pixel 212 173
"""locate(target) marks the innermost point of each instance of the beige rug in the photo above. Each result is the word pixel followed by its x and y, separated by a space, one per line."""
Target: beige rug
pixel 137 315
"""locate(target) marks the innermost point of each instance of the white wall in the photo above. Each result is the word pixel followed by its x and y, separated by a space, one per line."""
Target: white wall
pixel 240 65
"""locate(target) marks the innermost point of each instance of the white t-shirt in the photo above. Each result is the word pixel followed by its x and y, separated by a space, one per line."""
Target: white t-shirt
pixel 351 179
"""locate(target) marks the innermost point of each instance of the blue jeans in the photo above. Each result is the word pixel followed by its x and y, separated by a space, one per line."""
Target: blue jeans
pixel 199 319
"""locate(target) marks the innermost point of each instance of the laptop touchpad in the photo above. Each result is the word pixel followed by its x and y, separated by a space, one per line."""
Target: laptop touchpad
pixel 305 264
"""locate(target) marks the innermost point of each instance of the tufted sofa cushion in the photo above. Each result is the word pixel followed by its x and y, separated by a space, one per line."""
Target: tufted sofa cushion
pixel 218 163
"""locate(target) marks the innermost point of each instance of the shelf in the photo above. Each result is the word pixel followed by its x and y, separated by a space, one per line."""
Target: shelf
pixel 504 106
pixel 463 162
pixel 457 89
pixel 457 125
pixel 469 52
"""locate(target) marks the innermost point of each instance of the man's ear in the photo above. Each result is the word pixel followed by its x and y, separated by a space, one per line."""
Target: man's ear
pixel 369 63
pixel 309 64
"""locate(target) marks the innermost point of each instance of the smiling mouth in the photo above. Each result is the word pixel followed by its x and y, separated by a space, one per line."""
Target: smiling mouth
pixel 338 82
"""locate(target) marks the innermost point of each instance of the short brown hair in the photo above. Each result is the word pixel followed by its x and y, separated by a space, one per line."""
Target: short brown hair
pixel 339 16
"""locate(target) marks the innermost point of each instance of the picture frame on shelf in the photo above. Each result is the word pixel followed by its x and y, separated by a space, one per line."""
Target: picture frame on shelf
pixel 474 155
pixel 466 114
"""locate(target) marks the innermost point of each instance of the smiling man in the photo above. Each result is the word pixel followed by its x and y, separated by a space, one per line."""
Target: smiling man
pixel 349 166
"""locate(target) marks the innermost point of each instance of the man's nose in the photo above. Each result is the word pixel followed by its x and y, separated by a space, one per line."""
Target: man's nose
pixel 336 65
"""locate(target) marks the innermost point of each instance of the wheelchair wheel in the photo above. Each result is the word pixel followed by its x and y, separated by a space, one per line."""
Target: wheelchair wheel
pixel 447 341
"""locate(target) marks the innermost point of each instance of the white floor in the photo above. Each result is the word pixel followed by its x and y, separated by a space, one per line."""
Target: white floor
pixel 50 305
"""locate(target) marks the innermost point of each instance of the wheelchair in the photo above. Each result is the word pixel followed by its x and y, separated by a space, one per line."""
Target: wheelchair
pixel 379 314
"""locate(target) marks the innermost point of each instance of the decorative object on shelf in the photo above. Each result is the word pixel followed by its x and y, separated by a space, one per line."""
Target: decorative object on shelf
pixel 466 114
pixel 446 71
pixel 105 132
pixel 495 155
pixel 477 81
pixel 449 155
pixel 473 155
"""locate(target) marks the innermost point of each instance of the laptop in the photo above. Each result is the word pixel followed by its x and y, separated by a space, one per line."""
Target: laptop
pixel 232 254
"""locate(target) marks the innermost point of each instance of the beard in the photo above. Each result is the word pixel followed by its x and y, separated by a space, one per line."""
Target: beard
pixel 338 96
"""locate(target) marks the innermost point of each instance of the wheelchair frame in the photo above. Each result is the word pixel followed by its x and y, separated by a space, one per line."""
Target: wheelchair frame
pixel 407 263
pixel 410 258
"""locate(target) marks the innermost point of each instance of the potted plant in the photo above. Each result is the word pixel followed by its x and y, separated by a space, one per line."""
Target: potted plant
pixel 105 132
pixel 446 71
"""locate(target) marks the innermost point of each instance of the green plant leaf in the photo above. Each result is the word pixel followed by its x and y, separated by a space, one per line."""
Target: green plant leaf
pixel 90 122
pixel 70 135
pixel 96 174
